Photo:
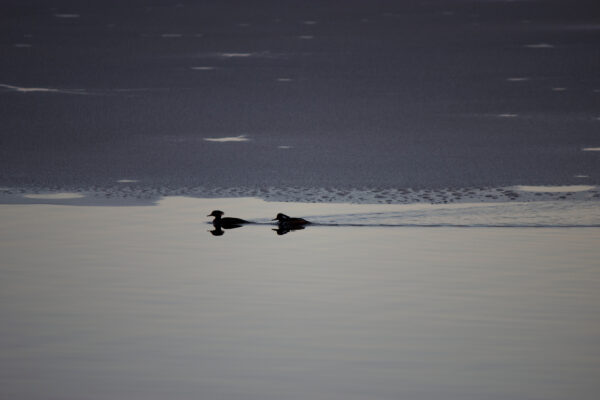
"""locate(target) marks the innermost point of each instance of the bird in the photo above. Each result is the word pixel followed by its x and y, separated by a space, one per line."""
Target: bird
pixel 285 221
pixel 227 222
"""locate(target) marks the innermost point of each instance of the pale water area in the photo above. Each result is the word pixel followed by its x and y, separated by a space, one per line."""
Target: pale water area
pixel 486 301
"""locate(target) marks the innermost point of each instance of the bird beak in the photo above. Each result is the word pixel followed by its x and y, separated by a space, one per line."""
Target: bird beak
pixel 209 215
pixel 274 219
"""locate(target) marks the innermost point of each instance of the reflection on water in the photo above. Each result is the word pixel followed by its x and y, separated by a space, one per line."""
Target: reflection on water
pixel 139 303
pixel 543 214
pixel 283 229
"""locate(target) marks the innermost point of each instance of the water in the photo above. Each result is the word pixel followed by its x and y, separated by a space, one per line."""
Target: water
pixel 144 303
pixel 428 101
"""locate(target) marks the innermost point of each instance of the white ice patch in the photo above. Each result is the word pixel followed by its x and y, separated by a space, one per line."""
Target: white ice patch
pixel 540 46
pixel 203 68
pixel 27 90
pixel 306 37
pixel 578 27
pixel 518 79
pixel 241 138
pixel 234 55
pixel 554 189
pixel 54 196
pixel 581 176
pixel 67 15
pixel 507 115
pixel 284 79
pixel 284 147
pixel 591 149
pixel 559 89
pixel 127 181
pixel 40 89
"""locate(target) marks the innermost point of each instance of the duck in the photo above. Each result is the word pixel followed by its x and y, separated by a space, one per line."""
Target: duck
pixel 227 222
pixel 290 222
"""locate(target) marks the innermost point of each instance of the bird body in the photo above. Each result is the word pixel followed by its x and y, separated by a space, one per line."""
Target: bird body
pixel 227 222
pixel 287 221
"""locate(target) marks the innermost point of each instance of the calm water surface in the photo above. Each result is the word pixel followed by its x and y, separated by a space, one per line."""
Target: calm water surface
pixel 144 303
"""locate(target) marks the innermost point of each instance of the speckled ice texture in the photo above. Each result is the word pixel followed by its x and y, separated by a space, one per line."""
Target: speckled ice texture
pixel 359 101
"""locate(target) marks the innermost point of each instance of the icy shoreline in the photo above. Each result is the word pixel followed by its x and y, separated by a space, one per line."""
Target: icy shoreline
pixel 132 194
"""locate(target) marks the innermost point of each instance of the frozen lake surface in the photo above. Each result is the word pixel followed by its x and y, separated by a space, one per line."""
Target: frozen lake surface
pixel 144 303
pixel 257 95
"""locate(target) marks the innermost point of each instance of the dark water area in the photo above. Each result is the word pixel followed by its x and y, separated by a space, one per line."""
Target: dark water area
pixel 417 94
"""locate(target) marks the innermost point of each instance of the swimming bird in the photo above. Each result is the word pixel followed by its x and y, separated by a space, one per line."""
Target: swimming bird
pixel 290 222
pixel 227 222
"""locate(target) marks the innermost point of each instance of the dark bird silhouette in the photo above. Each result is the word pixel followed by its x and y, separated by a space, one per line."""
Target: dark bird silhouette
pixel 287 222
pixel 217 231
pixel 282 229
pixel 227 222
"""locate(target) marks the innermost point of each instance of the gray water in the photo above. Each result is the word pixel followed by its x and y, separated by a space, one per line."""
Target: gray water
pixel 144 303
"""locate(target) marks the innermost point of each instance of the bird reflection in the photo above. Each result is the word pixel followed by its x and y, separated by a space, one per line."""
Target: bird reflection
pixel 218 231
pixel 282 230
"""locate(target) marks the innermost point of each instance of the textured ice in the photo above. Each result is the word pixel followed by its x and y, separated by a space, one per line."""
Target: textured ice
pixel 41 89
pixel 411 107
pixel 555 189
pixel 66 15
pixel 54 196
pixel 234 55
pixel 240 138
pixel 540 46
pixel 128 192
